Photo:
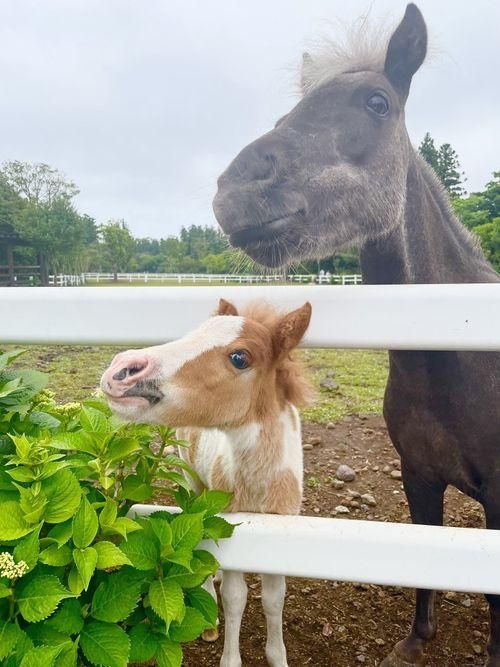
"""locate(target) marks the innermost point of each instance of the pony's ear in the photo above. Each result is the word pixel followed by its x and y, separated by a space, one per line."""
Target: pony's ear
pixel 290 329
pixel 226 308
pixel 406 50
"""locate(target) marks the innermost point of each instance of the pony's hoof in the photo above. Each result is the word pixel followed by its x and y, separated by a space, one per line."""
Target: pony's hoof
pixel 395 660
pixel 210 635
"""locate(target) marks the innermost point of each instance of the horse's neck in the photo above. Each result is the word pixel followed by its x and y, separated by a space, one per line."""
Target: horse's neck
pixel 430 246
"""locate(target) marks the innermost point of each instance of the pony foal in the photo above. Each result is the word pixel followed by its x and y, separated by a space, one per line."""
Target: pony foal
pixel 232 389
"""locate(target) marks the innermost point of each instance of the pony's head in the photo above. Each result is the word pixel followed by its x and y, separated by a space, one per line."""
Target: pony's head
pixel 229 371
pixel 333 170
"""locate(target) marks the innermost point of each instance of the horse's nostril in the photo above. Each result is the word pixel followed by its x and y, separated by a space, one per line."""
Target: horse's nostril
pixel 135 369
pixel 121 374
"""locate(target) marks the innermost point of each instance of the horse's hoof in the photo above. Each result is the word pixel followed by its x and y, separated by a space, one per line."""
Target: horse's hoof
pixel 395 660
pixel 210 635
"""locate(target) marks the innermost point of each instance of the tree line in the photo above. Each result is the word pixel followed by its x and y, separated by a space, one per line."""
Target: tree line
pixel 39 218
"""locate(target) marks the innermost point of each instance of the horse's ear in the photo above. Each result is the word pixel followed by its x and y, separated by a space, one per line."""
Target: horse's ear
pixel 226 308
pixel 406 50
pixel 290 329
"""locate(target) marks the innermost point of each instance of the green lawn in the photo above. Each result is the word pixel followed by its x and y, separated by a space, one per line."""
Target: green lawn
pixel 74 373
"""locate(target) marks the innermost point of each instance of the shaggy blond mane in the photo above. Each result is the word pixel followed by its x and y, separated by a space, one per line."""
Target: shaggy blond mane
pixel 292 377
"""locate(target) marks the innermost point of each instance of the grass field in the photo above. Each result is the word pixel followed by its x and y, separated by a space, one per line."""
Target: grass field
pixel 74 374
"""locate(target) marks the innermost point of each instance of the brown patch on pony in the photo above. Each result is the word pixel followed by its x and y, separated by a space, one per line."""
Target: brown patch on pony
pixel 284 495
pixel 226 308
pixel 191 435
pixel 218 478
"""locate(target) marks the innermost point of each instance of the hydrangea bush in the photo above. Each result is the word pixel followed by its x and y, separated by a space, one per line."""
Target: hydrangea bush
pixel 81 582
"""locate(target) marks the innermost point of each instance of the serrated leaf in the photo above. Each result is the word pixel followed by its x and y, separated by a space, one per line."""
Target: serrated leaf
pixel 105 644
pixel 143 643
pixel 108 514
pixel 28 549
pixel 75 581
pixel 44 419
pixel 41 656
pixel 42 633
pixel 163 531
pixel 191 627
pixel 142 550
pixel 68 656
pixel 200 599
pixel 169 654
pixel 211 501
pixel 85 561
pixel 93 420
pixel 181 557
pixel 135 489
pixel 68 618
pixel 109 555
pixel 63 495
pixel 10 634
pixel 85 525
pixel 38 597
pixel 187 531
pixel 76 442
pixel 33 505
pixel 61 532
pixel 56 556
pixel 167 600
pixel 189 578
pixel 116 597
pixel 216 528
pixel 12 522
pixel 120 448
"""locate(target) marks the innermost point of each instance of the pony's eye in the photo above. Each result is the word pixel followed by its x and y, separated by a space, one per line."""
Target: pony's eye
pixel 379 104
pixel 239 359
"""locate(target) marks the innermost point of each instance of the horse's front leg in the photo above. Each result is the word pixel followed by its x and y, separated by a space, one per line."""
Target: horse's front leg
pixel 234 598
pixel 426 507
pixel 273 599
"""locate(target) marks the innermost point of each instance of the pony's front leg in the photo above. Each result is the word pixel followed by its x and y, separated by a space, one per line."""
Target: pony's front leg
pixel 234 598
pixel 273 599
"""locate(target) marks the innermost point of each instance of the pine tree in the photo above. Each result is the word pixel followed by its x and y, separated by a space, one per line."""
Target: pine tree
pixel 444 160
pixel 429 152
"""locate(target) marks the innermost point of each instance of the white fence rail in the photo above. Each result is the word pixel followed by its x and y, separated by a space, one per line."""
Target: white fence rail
pixel 322 278
pixel 439 317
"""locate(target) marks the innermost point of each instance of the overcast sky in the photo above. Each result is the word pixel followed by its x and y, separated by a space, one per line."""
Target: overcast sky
pixel 144 102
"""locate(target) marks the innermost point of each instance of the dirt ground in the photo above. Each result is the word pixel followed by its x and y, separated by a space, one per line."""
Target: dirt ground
pixel 335 624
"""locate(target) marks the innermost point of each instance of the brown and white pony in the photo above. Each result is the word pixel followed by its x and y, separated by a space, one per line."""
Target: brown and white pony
pixel 231 387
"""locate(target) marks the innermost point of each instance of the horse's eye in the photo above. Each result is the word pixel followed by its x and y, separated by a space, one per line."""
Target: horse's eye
pixel 239 359
pixel 379 104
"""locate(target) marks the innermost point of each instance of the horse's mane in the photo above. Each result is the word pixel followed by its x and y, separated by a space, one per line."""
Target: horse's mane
pixel 290 373
pixel 360 47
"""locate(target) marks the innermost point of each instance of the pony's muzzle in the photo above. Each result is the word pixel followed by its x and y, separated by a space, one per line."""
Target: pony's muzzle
pixel 125 371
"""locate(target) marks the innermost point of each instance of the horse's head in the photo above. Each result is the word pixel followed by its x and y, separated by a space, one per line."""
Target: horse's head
pixel 333 171
pixel 218 375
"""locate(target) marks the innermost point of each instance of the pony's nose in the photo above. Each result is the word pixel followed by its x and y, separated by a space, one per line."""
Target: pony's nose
pixel 126 370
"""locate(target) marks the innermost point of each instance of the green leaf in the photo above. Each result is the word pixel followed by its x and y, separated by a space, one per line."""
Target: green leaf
pixel 7 357
pixel 68 618
pixel 28 549
pixel 44 419
pixel 38 597
pixel 85 525
pixel 182 557
pixel 142 550
pixel 68 656
pixel 93 420
pixel 169 654
pixel 32 504
pixel 85 561
pixel 196 575
pixel 216 528
pixel 187 531
pixel 191 627
pixel 163 532
pixel 200 599
pixel 61 532
pixel 121 448
pixel 167 600
pixel 10 634
pixel 5 591
pixel 109 555
pixel 134 488
pixel 108 514
pixel 75 442
pixel 211 502
pixel 12 522
pixel 143 643
pixel 75 581
pixel 41 633
pixel 41 656
pixel 105 644
pixel 56 556
pixel 63 494
pixel 117 596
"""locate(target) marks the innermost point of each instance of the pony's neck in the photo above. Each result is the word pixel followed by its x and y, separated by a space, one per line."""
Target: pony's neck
pixel 430 246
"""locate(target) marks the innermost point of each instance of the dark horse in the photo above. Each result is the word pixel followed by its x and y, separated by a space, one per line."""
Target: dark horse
pixel 339 170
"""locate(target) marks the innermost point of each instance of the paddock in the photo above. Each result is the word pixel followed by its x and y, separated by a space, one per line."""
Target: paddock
pixel 436 317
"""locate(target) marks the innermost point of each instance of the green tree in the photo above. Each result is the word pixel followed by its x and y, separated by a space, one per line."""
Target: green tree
pixel 429 152
pixel 444 160
pixel 118 245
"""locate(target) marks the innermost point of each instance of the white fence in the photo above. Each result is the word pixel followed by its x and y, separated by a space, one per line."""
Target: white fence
pixel 322 278
pixel 439 317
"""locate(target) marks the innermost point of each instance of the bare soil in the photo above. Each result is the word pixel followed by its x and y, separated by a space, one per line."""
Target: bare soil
pixel 336 624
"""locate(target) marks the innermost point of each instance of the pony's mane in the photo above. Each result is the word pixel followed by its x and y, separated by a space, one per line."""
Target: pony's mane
pixel 361 47
pixel 291 374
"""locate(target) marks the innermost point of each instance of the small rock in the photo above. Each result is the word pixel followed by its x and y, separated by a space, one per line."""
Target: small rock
pixel 345 473
pixel 327 630
pixel 361 658
pixel 375 468
pixel 355 504
pixel 342 509
pixel 386 469
pixel 368 499
pixel 338 484
pixel 477 634
pixel 396 463
pixel 328 384
pixel 315 441
pixel 379 641
pixel 307 447
pixel 353 494
pixel 306 590
pixel 316 510
pixel 330 425
pixel 450 596
pixel 477 649
pixel 396 474
pixel 466 602
pixel 170 449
